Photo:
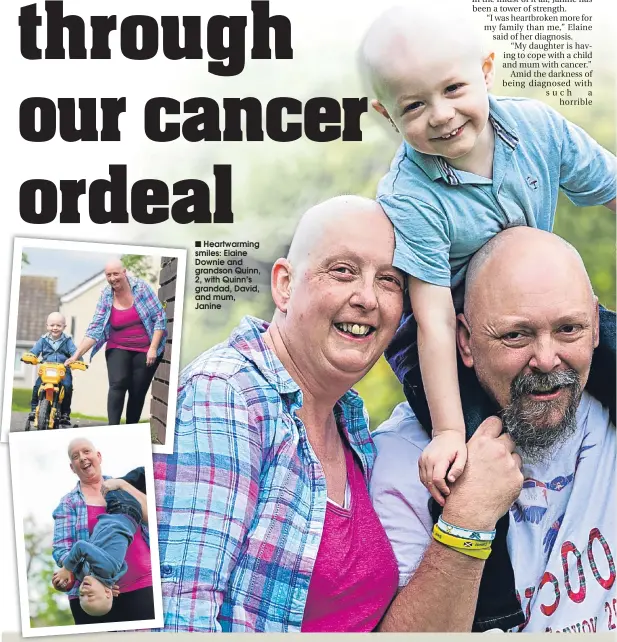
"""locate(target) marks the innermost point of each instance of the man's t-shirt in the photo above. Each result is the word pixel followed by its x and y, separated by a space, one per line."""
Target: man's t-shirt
pixel 562 536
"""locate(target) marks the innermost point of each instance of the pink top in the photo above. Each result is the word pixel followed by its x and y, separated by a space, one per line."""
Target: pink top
pixel 355 575
pixel 139 573
pixel 127 331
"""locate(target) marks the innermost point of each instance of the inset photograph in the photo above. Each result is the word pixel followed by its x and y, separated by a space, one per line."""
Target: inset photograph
pixel 85 529
pixel 92 330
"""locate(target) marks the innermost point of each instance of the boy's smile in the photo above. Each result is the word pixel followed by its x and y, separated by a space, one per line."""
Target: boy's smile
pixel 433 88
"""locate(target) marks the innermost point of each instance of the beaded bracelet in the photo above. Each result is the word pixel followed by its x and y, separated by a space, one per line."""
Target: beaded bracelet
pixel 465 533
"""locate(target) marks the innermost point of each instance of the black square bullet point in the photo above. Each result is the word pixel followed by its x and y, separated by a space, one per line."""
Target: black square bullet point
pixel 197 243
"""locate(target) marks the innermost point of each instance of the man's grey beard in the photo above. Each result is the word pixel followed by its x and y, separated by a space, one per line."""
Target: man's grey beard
pixel 527 421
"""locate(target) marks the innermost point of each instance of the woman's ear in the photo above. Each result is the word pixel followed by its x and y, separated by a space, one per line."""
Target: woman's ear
pixel 280 284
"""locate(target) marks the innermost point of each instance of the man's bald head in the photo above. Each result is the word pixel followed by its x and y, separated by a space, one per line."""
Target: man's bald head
pixel 522 256
pixel 412 32
pixel 529 330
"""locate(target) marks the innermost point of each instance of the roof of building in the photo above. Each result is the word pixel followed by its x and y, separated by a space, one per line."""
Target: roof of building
pixel 37 299
pixel 84 286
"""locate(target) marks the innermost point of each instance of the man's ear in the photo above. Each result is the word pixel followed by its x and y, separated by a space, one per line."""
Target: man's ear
pixel 280 284
pixel 488 69
pixel 463 340
pixel 596 323
pixel 380 109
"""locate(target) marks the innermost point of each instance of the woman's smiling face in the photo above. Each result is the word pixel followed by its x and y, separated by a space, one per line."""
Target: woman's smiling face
pixel 85 460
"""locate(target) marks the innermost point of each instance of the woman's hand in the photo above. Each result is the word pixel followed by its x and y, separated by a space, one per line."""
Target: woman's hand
pixel 151 356
pixel 72 359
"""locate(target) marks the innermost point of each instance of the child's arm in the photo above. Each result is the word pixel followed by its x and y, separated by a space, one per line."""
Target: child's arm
pixel 612 205
pixel 37 348
pixel 434 313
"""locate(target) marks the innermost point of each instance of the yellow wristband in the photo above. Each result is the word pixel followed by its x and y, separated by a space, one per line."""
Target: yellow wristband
pixel 481 554
pixel 459 542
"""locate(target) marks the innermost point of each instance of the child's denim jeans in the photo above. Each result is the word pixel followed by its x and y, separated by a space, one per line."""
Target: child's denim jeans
pixel 497 602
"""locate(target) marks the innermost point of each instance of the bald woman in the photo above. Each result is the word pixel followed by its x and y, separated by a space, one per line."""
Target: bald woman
pixel 130 320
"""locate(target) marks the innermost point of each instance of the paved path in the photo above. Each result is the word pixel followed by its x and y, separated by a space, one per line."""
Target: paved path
pixel 18 422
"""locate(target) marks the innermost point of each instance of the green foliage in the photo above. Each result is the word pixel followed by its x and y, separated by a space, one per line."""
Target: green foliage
pixel 24 259
pixel 139 265
pixel 21 399
pixel 48 607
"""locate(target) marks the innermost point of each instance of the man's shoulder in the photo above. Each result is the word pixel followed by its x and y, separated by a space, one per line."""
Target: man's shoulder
pixel 401 429
pixel 591 410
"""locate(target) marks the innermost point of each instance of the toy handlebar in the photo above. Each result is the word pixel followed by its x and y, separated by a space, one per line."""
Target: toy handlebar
pixel 32 359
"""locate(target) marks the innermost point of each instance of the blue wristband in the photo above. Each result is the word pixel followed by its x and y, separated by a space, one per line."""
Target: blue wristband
pixel 465 533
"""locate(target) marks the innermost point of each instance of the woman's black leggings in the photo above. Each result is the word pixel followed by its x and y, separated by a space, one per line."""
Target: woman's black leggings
pixel 127 607
pixel 127 372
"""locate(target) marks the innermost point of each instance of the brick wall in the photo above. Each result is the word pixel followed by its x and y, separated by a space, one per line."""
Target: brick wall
pixel 160 384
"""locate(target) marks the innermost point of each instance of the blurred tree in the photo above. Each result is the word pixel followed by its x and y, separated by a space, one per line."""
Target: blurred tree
pixel 139 265
pixel 24 259
pixel 48 607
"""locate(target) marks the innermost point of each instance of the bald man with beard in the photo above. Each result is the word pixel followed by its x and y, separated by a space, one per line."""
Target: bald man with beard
pixel 529 329
pixel 265 522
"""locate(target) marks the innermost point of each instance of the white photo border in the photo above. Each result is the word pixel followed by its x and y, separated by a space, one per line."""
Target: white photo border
pixel 21 243
pixel 137 433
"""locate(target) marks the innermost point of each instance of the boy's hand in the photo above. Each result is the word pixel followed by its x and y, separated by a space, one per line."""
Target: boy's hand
pixel 446 450
pixel 111 484
pixel 115 590
pixel 63 580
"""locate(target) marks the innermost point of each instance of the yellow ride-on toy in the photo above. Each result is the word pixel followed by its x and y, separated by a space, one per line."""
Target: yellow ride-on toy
pixel 51 391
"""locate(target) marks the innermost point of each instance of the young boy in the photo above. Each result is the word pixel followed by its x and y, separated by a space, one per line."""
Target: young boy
pixel 99 562
pixel 470 166
pixel 55 347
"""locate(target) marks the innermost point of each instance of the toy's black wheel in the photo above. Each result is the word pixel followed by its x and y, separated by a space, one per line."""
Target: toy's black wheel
pixel 44 413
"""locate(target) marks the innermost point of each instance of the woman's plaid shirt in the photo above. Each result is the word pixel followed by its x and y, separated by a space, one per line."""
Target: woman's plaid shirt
pixel 147 304
pixel 241 502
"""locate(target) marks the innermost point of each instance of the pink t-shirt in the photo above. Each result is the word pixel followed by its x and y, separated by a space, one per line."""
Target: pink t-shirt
pixel 127 331
pixel 355 575
pixel 139 573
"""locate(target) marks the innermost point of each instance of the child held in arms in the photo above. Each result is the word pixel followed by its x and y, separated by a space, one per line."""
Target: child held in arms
pixel 56 347
pixel 470 165
pixel 99 562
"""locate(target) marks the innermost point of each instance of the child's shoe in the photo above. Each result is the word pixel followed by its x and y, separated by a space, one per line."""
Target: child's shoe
pixel 65 420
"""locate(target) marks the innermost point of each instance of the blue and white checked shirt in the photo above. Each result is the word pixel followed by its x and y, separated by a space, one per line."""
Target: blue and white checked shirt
pixel 147 304
pixel 241 502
